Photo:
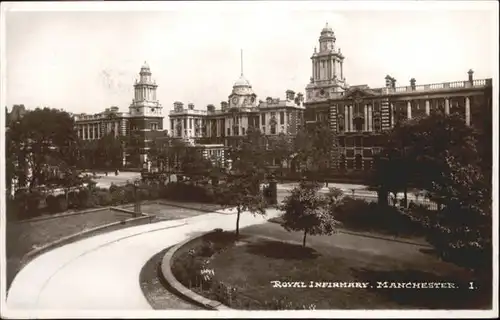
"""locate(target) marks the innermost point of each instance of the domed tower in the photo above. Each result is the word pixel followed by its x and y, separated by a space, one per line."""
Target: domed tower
pixel 327 69
pixel 242 96
pixel 145 115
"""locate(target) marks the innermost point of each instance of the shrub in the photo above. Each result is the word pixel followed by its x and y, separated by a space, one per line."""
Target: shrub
pixel 117 196
pixel 186 191
pixel 52 204
pixel 33 200
pixel 86 199
pixel 73 200
pixel 104 198
pixel 61 203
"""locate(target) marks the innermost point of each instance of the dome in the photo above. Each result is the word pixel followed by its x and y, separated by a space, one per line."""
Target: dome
pixel 242 82
pixel 145 66
pixel 326 29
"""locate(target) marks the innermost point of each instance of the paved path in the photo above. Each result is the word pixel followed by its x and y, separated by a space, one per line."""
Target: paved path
pixel 102 272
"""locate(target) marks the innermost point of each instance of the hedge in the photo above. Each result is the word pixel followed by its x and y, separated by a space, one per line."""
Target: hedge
pixel 27 205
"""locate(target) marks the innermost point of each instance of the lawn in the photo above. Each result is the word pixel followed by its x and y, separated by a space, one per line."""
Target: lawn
pixel 267 252
pixel 22 237
pixel 164 211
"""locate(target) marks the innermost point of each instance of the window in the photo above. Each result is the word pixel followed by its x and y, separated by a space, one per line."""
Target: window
pixel 190 123
pixel 263 117
pixel 358 162
pixel 236 131
pixel 358 142
pixel 273 129
pixel 342 141
pixel 185 123
pixel 228 131
pixel 153 126
pixel 243 131
pixel 282 117
pixel 171 124
pixel 264 130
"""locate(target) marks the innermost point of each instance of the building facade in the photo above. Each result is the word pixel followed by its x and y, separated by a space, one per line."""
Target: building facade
pixel 143 121
pixel 359 114
pixel 240 112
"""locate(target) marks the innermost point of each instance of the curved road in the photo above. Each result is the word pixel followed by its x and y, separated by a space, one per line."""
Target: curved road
pixel 102 272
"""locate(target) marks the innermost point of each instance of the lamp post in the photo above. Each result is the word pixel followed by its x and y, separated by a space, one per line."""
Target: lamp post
pixel 137 205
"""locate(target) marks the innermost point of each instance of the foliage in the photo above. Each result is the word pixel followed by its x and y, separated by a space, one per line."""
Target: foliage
pixel 308 211
pixel 241 188
pixel 186 191
pixel 313 148
pixel 442 158
pixel 40 142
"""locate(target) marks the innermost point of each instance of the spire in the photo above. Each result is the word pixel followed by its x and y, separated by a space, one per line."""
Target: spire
pixel 242 62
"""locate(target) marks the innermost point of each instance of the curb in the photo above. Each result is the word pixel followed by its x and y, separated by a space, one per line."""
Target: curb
pixel 179 288
pixel 74 237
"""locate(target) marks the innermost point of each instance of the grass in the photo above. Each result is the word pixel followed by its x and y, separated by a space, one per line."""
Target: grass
pixel 267 252
pixel 169 212
pixel 22 237
pixel 156 290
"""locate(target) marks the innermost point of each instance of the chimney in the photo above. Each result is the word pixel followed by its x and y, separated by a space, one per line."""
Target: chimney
pixel 290 95
pixel 269 100
pixel 210 108
pixel 191 106
pixel 393 83
pixel 178 106
pixel 471 73
pixel 223 105
pixel 300 98
pixel 412 83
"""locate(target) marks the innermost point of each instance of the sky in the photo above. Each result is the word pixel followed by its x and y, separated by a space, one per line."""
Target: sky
pixel 85 59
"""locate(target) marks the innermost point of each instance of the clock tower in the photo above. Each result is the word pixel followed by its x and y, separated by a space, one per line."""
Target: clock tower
pixel 327 80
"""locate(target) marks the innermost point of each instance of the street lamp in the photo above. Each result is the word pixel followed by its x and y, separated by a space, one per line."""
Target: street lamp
pixel 137 205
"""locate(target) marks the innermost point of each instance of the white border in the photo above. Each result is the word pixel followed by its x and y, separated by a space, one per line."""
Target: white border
pixel 245 5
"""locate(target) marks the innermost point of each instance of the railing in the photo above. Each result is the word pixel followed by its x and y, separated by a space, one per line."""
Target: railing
pixel 188 111
pixel 479 83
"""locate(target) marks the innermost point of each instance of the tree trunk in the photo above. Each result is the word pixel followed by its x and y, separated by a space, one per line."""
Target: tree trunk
pixel 304 239
pixel 405 196
pixel 238 222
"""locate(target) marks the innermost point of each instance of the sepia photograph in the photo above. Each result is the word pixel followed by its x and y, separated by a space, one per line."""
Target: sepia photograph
pixel 277 159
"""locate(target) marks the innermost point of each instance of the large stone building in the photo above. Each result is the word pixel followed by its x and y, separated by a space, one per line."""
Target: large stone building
pixel 359 114
pixel 143 121
pixel 241 111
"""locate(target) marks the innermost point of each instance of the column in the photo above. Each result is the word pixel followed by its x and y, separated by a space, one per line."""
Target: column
pixel 313 75
pixel 346 118
pixel 365 127
pixel 370 116
pixel 408 109
pixel 467 111
pixel 334 67
pixel 393 114
pixel 427 107
pixel 446 106
pixel 341 70
pixel 350 118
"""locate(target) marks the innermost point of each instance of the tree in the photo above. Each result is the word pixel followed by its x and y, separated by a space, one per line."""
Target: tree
pixel 110 151
pixel 241 188
pixel 309 211
pixel 314 146
pixel 41 137
pixel 442 157
pixel 280 148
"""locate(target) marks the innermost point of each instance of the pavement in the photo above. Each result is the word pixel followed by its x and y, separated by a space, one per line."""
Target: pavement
pixel 104 181
pixel 102 272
